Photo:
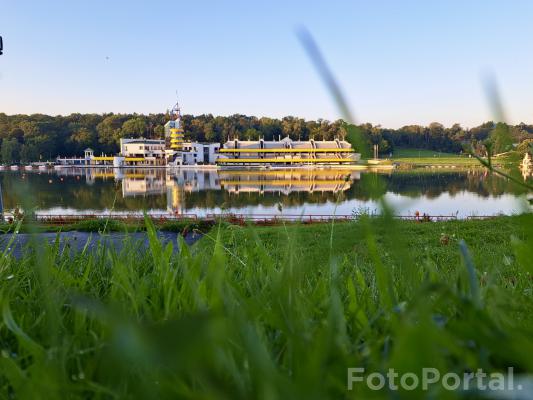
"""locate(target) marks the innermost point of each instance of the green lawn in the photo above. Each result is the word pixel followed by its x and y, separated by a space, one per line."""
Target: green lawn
pixel 420 153
pixel 421 157
pixel 444 161
pixel 269 312
pixel 489 241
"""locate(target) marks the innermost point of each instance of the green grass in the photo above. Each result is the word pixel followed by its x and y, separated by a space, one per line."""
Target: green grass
pixel 420 153
pixel 441 161
pixel 268 312
pixel 421 157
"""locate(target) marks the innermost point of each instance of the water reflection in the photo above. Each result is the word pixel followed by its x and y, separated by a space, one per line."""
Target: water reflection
pixel 287 181
pixel 258 192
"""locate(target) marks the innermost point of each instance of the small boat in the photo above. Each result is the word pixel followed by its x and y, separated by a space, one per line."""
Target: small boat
pixel 2 167
pixel 43 167
pixel 14 167
pixel 28 167
pixel 59 166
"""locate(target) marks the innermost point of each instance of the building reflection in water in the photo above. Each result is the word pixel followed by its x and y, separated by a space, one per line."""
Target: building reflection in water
pixel 260 191
pixel 286 181
pixel 177 184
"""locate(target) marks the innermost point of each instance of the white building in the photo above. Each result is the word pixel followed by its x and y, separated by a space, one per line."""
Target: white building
pixel 142 147
pixel 287 152
pixel 194 153
pixel 143 151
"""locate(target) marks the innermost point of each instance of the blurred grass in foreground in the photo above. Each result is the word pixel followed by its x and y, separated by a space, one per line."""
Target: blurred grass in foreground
pixel 271 312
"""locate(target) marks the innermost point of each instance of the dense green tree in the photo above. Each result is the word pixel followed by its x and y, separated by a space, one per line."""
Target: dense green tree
pixel 10 151
pixel 500 138
pixel 29 152
pixel 30 128
pixel 109 132
pixel 271 128
pixel 45 137
pixel 251 134
pixel 482 131
pixel 159 131
pixel 83 138
pixel 134 127
pixel 210 132
pixel 17 134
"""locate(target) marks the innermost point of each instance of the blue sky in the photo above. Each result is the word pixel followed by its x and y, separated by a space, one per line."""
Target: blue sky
pixel 398 62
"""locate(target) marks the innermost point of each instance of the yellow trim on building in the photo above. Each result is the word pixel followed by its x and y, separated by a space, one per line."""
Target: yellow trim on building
pixel 282 182
pixel 331 150
pixel 296 173
pixel 134 159
pixel 103 158
pixel 292 160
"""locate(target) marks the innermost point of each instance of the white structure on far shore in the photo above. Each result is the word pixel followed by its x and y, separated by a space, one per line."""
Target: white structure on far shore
pixel 287 152
pixel 195 153
pixel 141 151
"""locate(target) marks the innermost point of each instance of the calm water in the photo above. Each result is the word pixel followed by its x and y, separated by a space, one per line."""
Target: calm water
pixel 261 192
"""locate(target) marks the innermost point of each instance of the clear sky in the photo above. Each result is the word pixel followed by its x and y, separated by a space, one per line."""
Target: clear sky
pixel 398 62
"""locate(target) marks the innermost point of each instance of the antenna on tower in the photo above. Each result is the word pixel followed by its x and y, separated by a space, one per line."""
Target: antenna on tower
pixel 175 112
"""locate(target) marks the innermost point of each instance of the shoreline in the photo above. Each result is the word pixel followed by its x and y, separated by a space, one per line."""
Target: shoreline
pixel 202 225
pixel 355 167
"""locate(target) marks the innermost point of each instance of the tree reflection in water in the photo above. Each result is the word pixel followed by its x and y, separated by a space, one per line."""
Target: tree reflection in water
pixel 76 190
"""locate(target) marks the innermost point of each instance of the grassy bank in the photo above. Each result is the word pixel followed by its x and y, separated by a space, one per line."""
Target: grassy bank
pixel 269 312
pixel 423 158
pixel 488 240
pixel 420 153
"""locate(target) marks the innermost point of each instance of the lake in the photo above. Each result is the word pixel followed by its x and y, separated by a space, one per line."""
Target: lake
pixel 250 192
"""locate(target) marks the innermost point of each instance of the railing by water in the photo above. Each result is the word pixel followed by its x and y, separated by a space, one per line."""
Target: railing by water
pixel 55 219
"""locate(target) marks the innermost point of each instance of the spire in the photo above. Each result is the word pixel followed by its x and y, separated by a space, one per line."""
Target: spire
pixel 175 112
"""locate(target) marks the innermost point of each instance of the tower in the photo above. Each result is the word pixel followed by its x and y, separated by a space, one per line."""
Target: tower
pixel 175 130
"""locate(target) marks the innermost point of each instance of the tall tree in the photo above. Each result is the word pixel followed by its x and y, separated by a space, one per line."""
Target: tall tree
pixel 10 151
pixel 500 138
pixel 134 127
pixel 109 132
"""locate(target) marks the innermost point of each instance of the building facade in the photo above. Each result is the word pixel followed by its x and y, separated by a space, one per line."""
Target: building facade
pixel 143 151
pixel 195 153
pixel 287 152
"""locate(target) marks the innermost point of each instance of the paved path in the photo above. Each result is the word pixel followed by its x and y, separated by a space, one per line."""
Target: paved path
pixel 75 241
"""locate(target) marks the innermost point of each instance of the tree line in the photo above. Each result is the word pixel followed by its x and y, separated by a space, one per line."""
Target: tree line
pixel 26 138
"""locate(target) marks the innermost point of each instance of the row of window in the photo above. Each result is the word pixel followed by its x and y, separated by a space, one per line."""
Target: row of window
pixel 148 148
